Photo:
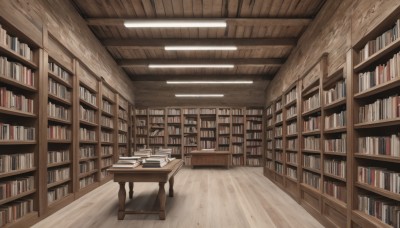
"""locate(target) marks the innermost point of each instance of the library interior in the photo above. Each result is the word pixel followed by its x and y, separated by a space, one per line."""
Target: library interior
pixel 200 113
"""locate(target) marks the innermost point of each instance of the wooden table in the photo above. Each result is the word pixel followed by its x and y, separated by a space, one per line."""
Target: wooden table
pixel 140 174
pixel 211 158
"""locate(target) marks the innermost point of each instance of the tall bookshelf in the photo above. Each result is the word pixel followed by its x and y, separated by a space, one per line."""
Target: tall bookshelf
pixel 311 151
pixel 374 90
pixel 269 137
pixel 291 140
pixel 237 136
pixel 108 132
pixel 224 129
pixel 254 136
pixel 141 128
pixel 334 146
pixel 156 128
pixel 174 131
pixel 61 83
pixel 89 131
pixel 190 130
pixel 207 136
pixel 132 128
pixel 123 122
pixel 21 84
pixel 278 141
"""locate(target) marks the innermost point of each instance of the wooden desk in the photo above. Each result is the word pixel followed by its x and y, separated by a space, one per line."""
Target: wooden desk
pixel 214 158
pixel 140 174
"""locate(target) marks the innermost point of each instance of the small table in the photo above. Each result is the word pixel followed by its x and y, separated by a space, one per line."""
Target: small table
pixel 140 174
pixel 211 158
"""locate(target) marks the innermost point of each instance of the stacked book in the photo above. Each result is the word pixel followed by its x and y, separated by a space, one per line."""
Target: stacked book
pixel 127 162
pixel 165 152
pixel 144 153
pixel 155 161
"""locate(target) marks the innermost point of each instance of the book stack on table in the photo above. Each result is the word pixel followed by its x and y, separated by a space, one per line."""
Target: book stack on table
pixel 156 161
pixel 128 162
pixel 144 153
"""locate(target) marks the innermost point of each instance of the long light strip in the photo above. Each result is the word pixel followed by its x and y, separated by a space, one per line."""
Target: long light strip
pixel 199 95
pixel 191 66
pixel 209 82
pixel 175 24
pixel 200 48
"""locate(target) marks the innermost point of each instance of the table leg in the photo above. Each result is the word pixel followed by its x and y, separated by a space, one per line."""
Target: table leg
pixel 130 190
pixel 162 198
pixel 121 199
pixel 171 186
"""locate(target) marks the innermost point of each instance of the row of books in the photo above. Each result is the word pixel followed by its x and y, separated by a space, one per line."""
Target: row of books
pixel 278 118
pixel 291 95
pixel 311 179
pixel 56 175
pixel 253 125
pixel 268 134
pixel 278 106
pixel 87 135
pixel 254 151
pixel 122 150
pixel 190 129
pixel 383 73
pixel 141 131
pixel 191 121
pixel 279 156
pixel 382 209
pixel 223 119
pixel 60 72
pixel 224 130
pixel 312 143
pixel 107 122
pixel 57 132
pixel 208 134
pixel 253 161
pixel 237 119
pixel 87 96
pixel 268 111
pixel 291 111
pixel 381 109
pixel 379 43
pixel 223 111
pixel 15 44
pixel 174 130
pixel 254 112
pixel 254 135
pixel 86 181
pixel 379 178
pixel 58 111
pixel 279 168
pixel 14 162
pixel 207 144
pixel 106 162
pixel 10 132
pixel 122 138
pixel 237 149
pixel 269 122
pixel 106 150
pixel 107 107
pixel 141 122
pixel 337 145
pixel 312 123
pixel 335 120
pixel 87 151
pixel 335 167
pixel 384 145
pixel 269 145
pixel 141 111
pixel 223 140
pixel 122 114
pixel 291 128
pixel 291 158
pixel 237 160
pixel 189 111
pixel 278 143
pixel 57 193
pixel 88 115
pixel 208 111
pixel 208 123
pixel 58 90
pixel 156 111
pixel 58 156
pixel 174 141
pixel 156 140
pixel 291 172
pixel 335 189
pixel 312 102
pixel 17 72
pixel 269 164
pixel 174 111
pixel 157 132
pixel 237 129
pixel 15 101
pixel 174 119
pixel 312 161
pixel 337 92
pixel 106 137
pixel 292 144
pixel 16 186
pixel 15 210
pixel 157 120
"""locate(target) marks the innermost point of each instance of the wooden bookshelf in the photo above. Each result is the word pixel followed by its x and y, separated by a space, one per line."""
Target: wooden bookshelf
pixel 224 126
pixel 157 128
pixel 254 136
pixel 278 145
pixel 207 134
pixel 174 131
pixel 122 126
pixel 27 116
pixel 237 136
pixel 141 128
pixel 190 132
pixel 368 90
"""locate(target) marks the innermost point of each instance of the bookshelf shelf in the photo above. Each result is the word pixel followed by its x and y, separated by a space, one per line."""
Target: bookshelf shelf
pixel 382 192
pixel 332 153
pixel 59 141
pixel 335 104
pixel 379 123
pixel 94 107
pixel 51 165
pixel 311 112
pixel 107 114
pixel 334 177
pixel 12 54
pixel 312 170
pixel 19 196
pixel 55 98
pixel 16 113
pixel 371 219
pixel 17 84
pixel 291 118
pixel 14 142
pixel 309 188
pixel 341 204
pixel 57 120
pixel 378 157
pixel 378 89
pixel 59 80
pixel 291 164
pixel 18 172
pixel 335 130
pixel 87 123
pixel 54 184
pixel 308 133
pixel 83 175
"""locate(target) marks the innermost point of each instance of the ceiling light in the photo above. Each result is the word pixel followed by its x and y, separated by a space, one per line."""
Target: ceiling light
pixel 209 82
pixel 191 65
pixel 175 23
pixel 200 48
pixel 199 95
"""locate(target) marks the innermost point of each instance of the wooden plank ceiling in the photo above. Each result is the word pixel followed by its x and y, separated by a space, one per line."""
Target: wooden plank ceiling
pixel 265 32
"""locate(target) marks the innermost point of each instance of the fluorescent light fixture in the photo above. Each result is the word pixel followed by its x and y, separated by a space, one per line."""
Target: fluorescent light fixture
pixel 175 23
pixel 191 65
pixel 199 95
pixel 209 82
pixel 200 48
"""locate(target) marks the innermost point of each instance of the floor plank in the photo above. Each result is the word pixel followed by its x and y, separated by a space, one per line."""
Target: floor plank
pixel 204 197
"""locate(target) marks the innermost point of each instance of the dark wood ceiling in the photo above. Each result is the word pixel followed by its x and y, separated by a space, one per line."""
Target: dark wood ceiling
pixel 265 32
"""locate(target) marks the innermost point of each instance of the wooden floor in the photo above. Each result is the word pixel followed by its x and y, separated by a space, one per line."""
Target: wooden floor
pixel 204 197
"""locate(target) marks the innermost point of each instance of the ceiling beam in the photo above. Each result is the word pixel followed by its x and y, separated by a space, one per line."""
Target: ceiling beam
pixel 293 22
pixel 164 77
pixel 246 62
pixel 160 43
